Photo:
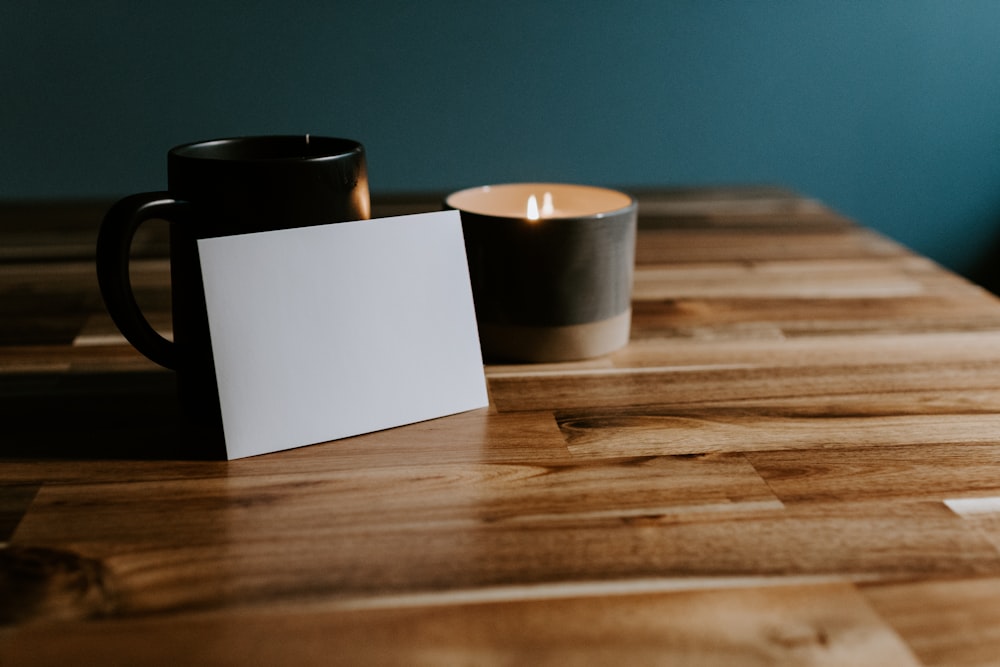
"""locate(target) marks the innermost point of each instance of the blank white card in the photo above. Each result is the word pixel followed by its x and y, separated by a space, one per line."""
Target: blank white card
pixel 326 332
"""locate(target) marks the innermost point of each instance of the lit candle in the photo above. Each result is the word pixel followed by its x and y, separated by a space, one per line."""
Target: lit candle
pixel 551 268
pixel 531 211
pixel 547 209
pixel 517 200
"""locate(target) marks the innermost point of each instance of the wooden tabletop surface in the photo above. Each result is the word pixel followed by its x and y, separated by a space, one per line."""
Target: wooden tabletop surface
pixel 795 461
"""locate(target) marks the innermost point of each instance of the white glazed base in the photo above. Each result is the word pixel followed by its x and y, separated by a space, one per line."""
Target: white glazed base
pixel 507 342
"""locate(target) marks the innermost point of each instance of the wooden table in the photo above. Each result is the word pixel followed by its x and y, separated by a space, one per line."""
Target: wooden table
pixel 795 461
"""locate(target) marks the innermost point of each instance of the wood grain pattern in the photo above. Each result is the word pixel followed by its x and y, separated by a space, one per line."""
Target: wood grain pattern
pixel 811 625
pixel 949 622
pixel 795 461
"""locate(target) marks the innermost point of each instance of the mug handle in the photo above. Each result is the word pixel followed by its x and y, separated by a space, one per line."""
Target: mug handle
pixel 114 243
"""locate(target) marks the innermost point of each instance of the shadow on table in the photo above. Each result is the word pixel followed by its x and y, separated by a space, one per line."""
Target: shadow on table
pixel 132 416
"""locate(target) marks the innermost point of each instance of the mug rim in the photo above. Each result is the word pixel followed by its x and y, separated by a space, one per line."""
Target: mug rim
pixel 284 148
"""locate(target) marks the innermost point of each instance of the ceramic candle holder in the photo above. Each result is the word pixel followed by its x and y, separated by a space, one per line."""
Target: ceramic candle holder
pixel 551 266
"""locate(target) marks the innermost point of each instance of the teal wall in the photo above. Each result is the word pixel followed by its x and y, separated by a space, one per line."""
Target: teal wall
pixel 888 110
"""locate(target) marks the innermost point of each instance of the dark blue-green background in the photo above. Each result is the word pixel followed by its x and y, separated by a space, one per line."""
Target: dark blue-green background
pixel 887 110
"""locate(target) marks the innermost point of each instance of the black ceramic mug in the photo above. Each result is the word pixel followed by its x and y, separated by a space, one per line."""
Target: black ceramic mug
pixel 220 188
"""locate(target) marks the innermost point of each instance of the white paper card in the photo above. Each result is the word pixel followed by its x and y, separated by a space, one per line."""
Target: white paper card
pixel 326 332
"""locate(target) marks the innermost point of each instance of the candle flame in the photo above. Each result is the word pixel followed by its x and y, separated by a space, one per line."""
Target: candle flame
pixel 547 207
pixel 532 211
